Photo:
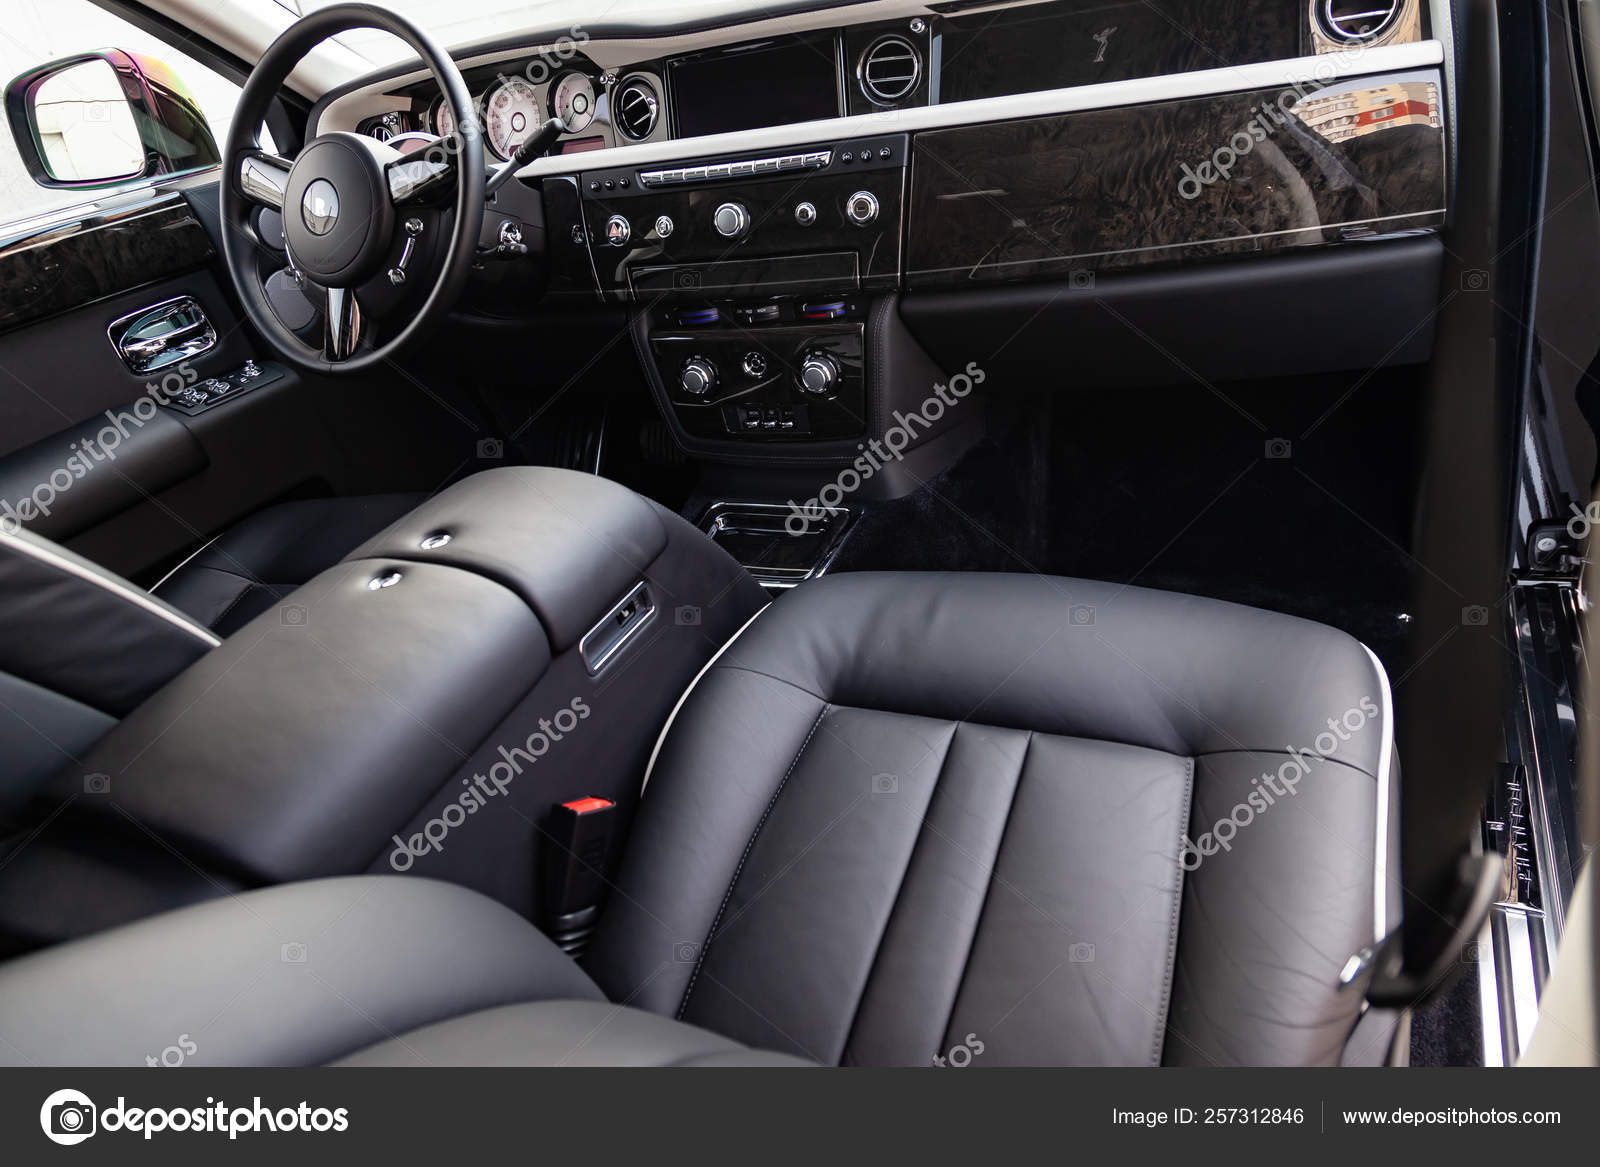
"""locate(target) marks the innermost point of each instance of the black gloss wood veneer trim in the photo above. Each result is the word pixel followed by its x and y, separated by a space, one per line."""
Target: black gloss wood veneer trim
pixel 1125 188
pixel 100 255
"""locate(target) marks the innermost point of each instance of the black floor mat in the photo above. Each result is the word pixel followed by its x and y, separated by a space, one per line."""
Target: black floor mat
pixel 1286 495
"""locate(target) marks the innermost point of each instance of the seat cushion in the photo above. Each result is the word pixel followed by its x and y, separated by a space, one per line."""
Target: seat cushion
pixel 254 564
pixel 1016 820
pixel 289 976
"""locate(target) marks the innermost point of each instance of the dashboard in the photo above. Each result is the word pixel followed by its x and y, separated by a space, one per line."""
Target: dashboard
pixel 782 173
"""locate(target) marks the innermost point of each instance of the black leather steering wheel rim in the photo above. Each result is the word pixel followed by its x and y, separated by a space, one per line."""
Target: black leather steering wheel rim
pixel 240 244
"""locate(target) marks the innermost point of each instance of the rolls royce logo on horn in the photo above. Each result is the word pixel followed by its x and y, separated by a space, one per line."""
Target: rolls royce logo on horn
pixel 320 207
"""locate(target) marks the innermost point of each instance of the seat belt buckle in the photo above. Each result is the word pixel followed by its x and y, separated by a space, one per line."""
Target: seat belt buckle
pixel 572 878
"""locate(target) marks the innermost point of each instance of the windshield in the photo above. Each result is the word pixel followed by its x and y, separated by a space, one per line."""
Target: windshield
pixel 460 22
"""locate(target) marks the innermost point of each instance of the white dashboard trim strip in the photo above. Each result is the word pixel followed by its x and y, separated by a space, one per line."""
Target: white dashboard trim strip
pixel 1137 91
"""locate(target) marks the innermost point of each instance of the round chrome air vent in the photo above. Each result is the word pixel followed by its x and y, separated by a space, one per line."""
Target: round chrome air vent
pixel 889 70
pixel 1354 22
pixel 635 108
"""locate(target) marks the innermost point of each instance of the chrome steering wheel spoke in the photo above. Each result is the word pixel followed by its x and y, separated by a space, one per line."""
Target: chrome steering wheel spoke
pixel 421 173
pixel 264 178
pixel 342 324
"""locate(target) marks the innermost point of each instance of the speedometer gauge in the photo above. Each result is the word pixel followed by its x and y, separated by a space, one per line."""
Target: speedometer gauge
pixel 572 100
pixel 512 115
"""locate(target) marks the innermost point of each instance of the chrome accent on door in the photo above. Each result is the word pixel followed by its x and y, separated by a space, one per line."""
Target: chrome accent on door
pixel 601 644
pixel 161 335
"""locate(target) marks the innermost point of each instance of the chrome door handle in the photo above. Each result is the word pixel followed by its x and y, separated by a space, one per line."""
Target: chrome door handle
pixel 162 334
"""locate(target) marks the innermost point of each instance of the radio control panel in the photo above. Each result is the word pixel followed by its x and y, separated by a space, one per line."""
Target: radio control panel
pixel 826 216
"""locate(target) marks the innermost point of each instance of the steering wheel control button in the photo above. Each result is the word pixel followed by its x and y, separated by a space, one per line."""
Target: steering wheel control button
pixel 664 226
pixel 699 377
pixel 819 374
pixel 618 231
pixel 754 365
pixel 805 214
pixel 731 220
pixel 320 207
pixel 862 208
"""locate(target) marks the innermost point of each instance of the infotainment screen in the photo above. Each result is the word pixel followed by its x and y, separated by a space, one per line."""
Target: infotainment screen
pixel 768 83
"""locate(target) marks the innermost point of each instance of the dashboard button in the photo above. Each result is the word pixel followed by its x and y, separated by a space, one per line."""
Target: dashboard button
pixel 731 221
pixel 664 225
pixel 805 214
pixel 692 174
pixel 718 171
pixel 819 373
pixel 618 231
pixel 862 208
pixel 846 156
pixel 765 165
pixel 884 152
pixel 741 169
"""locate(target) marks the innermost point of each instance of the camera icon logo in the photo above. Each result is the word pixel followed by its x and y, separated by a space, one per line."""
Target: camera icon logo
pixel 1081 615
pixel 293 616
pixel 1081 953
pixel 686 952
pixel 885 784
pixel 1475 616
pixel 68 1117
pixel 491 450
pixel 1280 448
pixel 97 783
pixel 292 953
pixel 1081 279
pixel 686 279
pixel 1474 280
pixel 687 617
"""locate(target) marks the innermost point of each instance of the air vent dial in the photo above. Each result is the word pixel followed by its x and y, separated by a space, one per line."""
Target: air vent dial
pixel 636 108
pixel 1353 22
pixel 889 70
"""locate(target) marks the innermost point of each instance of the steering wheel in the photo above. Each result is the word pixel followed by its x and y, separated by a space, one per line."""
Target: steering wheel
pixel 347 203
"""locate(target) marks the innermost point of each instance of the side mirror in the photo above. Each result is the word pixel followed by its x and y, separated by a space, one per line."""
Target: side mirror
pixel 103 118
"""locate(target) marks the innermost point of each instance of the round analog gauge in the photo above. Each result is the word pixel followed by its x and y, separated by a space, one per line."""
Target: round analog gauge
pixel 444 122
pixel 512 116
pixel 572 100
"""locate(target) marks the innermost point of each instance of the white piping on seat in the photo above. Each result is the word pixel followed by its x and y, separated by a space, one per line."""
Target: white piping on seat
pixel 1380 917
pixel 109 583
pixel 673 716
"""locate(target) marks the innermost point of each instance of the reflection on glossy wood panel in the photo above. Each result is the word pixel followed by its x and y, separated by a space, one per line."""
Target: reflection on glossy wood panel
pixel 105 253
pixel 1128 187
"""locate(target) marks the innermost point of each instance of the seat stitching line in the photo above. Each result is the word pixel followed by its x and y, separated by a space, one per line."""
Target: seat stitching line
pixel 988 892
pixel 905 874
pixel 737 871
pixel 1172 931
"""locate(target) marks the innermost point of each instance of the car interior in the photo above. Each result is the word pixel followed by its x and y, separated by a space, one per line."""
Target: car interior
pixel 879 534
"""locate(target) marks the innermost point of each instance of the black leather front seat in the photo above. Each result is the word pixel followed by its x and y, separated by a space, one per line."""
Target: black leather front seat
pixel 998 819
pixel 256 563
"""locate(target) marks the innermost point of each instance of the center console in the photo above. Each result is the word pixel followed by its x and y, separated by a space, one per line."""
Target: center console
pixel 752 277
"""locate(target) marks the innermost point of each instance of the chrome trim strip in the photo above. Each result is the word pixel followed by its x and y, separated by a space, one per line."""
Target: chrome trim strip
pixel 673 716
pixel 1381 926
pixel 110 583
pixel 1489 999
pixel 1325 67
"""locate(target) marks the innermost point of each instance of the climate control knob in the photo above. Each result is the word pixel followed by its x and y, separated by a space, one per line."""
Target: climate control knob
pixel 699 377
pixel 862 208
pixel 819 373
pixel 731 220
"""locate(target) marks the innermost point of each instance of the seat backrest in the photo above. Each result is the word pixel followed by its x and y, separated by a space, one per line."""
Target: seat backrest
pixel 81 648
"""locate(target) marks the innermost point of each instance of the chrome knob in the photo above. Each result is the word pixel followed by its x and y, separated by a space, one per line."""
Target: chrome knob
pixel 862 208
pixel 618 231
pixel 819 373
pixel 664 225
pixel 731 220
pixel 698 378
pixel 805 214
